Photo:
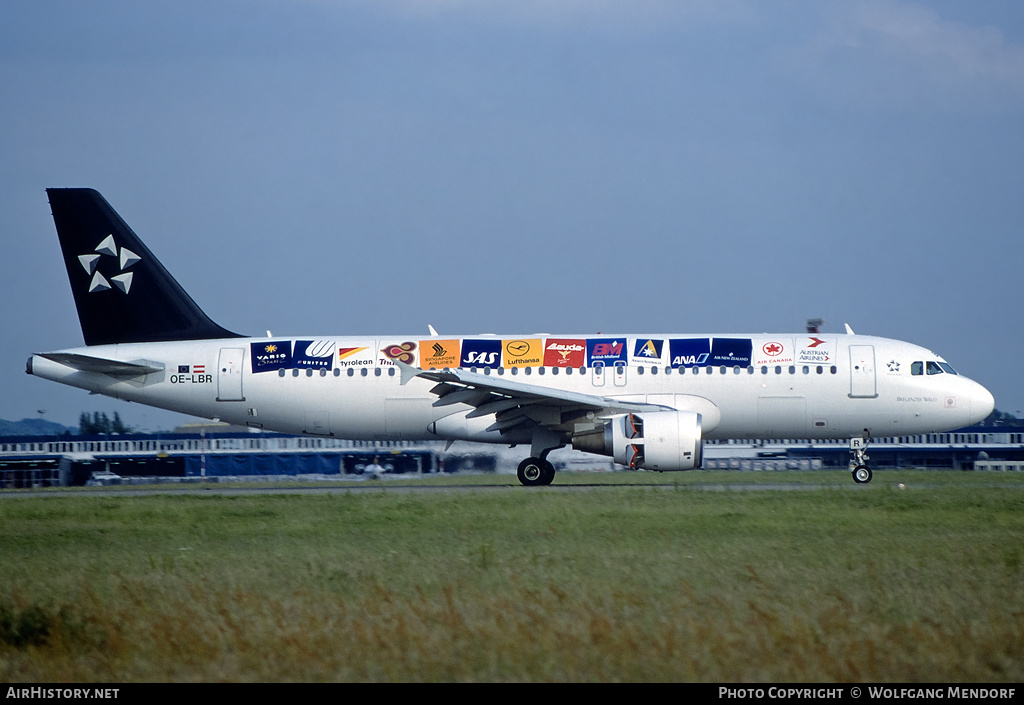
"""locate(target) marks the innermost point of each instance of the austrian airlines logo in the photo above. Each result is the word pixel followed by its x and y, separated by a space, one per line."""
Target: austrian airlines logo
pixel 97 260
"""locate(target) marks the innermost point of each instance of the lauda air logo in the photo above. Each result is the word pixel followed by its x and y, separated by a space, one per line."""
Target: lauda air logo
pixel 108 258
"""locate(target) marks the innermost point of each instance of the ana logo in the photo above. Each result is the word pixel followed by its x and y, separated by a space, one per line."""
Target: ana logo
pixel 124 258
pixel 772 349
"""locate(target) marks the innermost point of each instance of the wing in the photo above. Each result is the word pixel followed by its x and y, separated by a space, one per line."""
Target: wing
pixel 522 407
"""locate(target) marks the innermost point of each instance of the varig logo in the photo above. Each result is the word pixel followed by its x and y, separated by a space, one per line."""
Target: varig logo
pixel 123 258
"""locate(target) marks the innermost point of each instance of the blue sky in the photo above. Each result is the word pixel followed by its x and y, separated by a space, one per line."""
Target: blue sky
pixel 327 167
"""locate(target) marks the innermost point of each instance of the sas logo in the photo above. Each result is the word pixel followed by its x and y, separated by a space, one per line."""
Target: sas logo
pixel 522 353
pixel 267 357
pixel 438 354
pixel 565 353
pixel 481 353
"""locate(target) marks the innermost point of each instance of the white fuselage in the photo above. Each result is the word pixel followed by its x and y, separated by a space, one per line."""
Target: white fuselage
pixel 778 386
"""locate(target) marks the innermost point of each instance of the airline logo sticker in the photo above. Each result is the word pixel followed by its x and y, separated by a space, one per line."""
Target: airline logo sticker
pixel 606 351
pixel 561 352
pixel 815 351
pixel 646 352
pixel 274 355
pixel 731 352
pixel 481 353
pixel 689 352
pixel 314 354
pixel 439 354
pixel 777 351
pixel 402 352
pixel 123 260
pixel 522 352
pixel 355 355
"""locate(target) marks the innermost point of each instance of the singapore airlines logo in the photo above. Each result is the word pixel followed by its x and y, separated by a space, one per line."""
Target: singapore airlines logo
pixel 125 259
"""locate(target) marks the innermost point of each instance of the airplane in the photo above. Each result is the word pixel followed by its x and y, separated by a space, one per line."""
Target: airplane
pixel 648 401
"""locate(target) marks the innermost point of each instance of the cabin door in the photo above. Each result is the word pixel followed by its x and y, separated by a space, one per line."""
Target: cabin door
pixel 229 374
pixel 862 372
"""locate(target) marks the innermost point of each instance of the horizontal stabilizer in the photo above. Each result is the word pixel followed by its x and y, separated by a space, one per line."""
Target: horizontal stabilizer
pixel 115 368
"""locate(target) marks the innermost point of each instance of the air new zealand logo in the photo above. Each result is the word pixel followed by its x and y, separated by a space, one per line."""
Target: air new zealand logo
pixel 92 264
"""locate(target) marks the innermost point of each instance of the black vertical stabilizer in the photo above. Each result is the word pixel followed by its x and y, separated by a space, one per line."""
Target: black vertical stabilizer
pixel 123 293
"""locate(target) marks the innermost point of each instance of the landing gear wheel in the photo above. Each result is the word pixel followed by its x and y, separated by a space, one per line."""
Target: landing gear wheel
pixel 534 472
pixel 862 474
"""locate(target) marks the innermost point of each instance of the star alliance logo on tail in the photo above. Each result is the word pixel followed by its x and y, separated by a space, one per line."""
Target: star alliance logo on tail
pixel 91 263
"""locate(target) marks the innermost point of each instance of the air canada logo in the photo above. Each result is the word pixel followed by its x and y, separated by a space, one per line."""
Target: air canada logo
pixel 107 258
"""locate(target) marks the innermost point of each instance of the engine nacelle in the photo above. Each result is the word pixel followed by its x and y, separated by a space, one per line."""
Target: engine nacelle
pixel 657 440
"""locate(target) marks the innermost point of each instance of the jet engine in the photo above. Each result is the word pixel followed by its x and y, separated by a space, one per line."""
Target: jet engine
pixel 658 440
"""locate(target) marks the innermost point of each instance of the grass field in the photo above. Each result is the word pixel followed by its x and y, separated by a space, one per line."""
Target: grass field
pixel 659 581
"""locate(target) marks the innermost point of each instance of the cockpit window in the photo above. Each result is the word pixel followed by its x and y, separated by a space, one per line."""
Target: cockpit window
pixel 933 368
pixel 917 368
pixel 947 367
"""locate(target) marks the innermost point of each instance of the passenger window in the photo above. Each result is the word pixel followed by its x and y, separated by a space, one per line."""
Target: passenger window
pixel 916 368
pixel 280 373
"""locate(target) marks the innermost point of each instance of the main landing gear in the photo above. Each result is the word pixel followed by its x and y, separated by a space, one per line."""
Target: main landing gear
pixel 859 460
pixel 534 472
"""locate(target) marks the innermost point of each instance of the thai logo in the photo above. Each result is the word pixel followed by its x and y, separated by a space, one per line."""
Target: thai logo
pixel 96 262
pixel 401 352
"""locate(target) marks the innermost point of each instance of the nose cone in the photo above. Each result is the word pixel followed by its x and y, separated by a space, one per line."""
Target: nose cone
pixel 982 403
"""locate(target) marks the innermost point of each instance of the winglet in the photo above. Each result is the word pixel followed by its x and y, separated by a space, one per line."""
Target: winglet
pixel 849 331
